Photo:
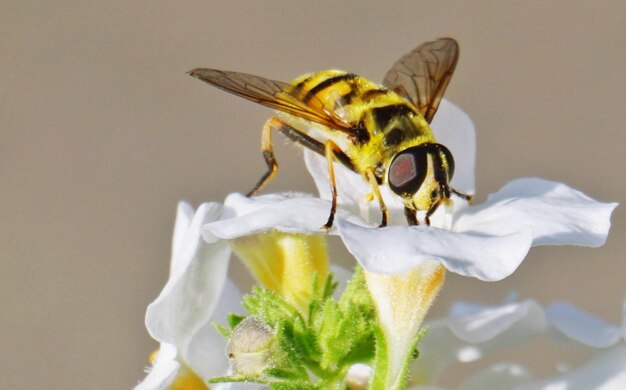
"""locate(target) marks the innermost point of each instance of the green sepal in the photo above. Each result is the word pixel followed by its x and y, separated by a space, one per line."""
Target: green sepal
pixel 334 335
pixel 345 328
pixel 224 331
pixel 268 306
pixel 234 320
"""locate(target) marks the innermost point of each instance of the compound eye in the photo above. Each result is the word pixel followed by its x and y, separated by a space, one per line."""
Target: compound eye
pixel 407 171
pixel 447 155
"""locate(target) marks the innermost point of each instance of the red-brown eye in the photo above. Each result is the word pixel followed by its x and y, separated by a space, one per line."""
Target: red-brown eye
pixel 408 170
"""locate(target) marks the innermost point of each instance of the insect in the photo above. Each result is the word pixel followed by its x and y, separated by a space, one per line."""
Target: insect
pixel 384 129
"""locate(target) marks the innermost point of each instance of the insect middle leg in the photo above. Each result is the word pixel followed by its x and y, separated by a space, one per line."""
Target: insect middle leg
pixel 332 152
pixel 371 178
pixel 432 210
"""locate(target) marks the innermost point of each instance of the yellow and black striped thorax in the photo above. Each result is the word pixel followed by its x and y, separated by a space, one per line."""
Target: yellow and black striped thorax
pixel 383 121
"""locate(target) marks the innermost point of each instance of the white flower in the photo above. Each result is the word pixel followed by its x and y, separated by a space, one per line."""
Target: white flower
pixel 269 232
pixel 196 294
pixel 487 241
pixel 472 332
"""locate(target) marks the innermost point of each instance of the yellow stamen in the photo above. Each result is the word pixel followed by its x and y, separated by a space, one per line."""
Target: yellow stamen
pixel 187 380
pixel 153 356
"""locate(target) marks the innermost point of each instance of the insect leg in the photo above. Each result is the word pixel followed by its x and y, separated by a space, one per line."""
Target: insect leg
pixel 411 218
pixel 328 149
pixel 311 143
pixel 332 151
pixel 296 136
pixel 268 153
pixel 467 197
pixel 371 177
pixel 432 210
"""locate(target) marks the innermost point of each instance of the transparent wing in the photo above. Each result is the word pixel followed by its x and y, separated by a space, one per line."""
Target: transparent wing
pixel 422 75
pixel 274 94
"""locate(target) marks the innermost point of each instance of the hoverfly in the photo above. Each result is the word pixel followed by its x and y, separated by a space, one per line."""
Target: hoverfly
pixel 385 127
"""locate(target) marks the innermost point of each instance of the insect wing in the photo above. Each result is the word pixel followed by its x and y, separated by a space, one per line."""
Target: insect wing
pixel 270 93
pixel 422 75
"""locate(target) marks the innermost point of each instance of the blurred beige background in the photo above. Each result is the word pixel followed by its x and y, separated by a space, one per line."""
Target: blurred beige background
pixel 102 132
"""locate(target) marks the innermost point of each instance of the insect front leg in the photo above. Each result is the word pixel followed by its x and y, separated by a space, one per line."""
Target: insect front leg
pixel 467 197
pixel 268 154
pixel 411 216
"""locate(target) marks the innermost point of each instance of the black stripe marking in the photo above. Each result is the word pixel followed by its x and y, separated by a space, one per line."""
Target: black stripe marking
pixel 325 84
pixel 394 137
pixel 384 115
pixel 301 83
pixel 373 93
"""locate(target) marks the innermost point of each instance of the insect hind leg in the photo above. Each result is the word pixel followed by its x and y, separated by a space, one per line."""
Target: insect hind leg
pixel 331 151
pixel 268 153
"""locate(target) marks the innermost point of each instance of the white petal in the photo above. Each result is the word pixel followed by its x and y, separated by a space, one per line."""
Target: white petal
pixel 557 214
pixel 164 371
pixel 396 249
pixel 499 376
pixel 582 327
pixel 470 337
pixel 464 308
pixel 184 215
pixel 605 371
pixel 454 129
pixel 191 293
pixel 246 216
pixel 206 354
pixel 491 322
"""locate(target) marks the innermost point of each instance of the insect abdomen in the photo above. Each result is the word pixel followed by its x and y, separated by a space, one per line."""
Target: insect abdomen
pixel 330 90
